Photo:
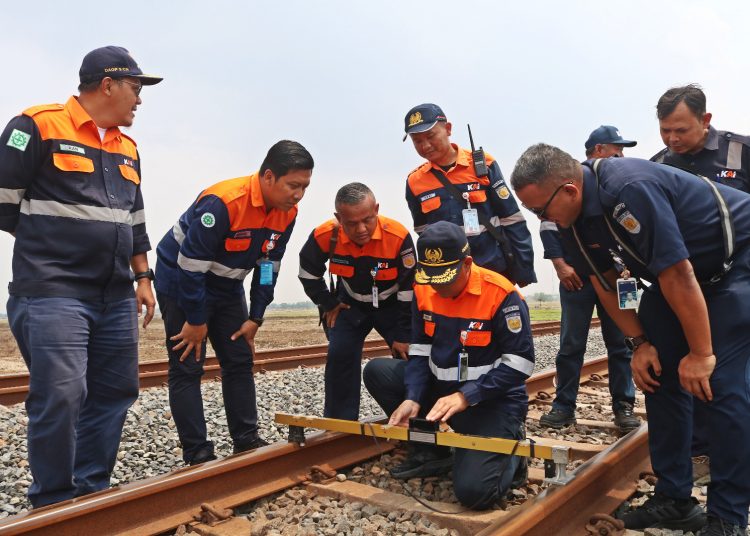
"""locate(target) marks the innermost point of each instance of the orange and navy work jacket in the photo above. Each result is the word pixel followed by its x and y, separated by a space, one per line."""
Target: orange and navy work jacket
pixel 218 242
pixel 489 320
pixel 429 201
pixel 389 254
pixel 73 201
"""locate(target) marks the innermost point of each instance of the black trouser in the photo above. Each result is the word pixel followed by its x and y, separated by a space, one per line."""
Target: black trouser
pixel 237 383
pixel 346 338
pixel 479 478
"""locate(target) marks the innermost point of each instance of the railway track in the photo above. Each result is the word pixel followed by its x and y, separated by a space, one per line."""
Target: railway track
pixel 15 387
pixel 606 478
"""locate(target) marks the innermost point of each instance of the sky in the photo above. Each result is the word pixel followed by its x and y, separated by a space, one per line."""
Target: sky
pixel 339 76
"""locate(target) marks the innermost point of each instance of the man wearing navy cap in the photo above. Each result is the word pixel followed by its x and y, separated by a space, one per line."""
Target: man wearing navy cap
pixel 690 238
pixel 578 299
pixel 471 352
pixel 70 193
pixel 448 187
pixel 696 146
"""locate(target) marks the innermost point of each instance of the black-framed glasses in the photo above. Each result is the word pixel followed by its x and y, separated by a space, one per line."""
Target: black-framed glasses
pixel 539 212
pixel 137 86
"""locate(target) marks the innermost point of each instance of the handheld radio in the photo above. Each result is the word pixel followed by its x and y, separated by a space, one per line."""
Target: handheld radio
pixel 477 158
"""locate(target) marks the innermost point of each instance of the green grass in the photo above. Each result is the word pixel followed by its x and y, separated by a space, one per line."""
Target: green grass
pixel 542 315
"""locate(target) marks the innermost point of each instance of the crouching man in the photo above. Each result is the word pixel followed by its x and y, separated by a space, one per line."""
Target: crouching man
pixel 470 355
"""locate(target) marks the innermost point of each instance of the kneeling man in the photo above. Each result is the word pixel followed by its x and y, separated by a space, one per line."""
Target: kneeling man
pixel 470 355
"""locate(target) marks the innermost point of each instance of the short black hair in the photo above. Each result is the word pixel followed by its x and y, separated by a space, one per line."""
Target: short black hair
pixel 88 87
pixel 692 95
pixel 285 156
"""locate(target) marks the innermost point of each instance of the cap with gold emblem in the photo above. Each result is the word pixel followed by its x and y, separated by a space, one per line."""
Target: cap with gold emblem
pixel 422 118
pixel 441 248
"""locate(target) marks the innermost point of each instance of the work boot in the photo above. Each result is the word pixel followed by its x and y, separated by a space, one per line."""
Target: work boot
pixel 625 420
pixel 521 476
pixel 557 418
pixel 662 512
pixel 254 443
pixel 718 527
pixel 424 461
pixel 206 454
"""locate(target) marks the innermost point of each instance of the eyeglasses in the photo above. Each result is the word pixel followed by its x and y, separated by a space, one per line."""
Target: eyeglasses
pixel 137 86
pixel 539 212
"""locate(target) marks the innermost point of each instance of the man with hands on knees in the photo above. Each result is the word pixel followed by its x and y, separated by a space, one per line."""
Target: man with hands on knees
pixel 470 355
pixel 233 228
pixel 690 238
pixel 373 258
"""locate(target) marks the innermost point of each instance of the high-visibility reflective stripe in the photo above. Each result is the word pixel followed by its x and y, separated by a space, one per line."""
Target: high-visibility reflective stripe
pixel 9 195
pixel 367 298
pixel 420 349
pixel 734 155
pixel 276 264
pixel 195 265
pixel 420 228
pixel 179 236
pixel 548 226
pixel 304 274
pixel 405 295
pixel 508 220
pixel 36 207
pixel 138 217
pixel 513 361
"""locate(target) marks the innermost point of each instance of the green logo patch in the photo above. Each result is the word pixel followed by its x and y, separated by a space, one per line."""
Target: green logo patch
pixel 19 139
pixel 208 220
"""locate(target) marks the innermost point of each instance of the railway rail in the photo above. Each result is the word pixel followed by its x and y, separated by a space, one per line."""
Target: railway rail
pixel 607 477
pixel 15 387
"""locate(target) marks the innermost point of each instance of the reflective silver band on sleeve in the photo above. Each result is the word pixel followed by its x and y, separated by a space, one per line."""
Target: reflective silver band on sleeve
pixel 36 207
pixel 450 374
pixel 138 217
pixel 548 226
pixel 304 274
pixel 509 220
pixel 405 295
pixel 200 266
pixel 179 236
pixel 12 196
pixel 367 298
pixel 420 349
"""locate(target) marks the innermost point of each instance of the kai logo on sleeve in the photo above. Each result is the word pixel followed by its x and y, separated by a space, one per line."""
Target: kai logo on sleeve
pixel 18 140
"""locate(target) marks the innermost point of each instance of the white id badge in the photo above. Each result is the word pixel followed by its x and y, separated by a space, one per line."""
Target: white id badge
pixel 471 221
pixel 627 293
pixel 374 296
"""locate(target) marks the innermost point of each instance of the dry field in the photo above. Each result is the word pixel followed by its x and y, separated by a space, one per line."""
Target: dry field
pixel 282 328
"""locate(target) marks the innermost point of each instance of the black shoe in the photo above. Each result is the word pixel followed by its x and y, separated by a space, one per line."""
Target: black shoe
pixel 557 418
pixel 625 420
pixel 719 527
pixel 521 476
pixel 423 461
pixel 662 512
pixel 206 454
pixel 254 443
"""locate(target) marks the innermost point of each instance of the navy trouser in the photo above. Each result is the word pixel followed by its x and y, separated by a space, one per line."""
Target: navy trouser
pixel 726 417
pixel 577 308
pixel 237 382
pixel 344 361
pixel 480 479
pixel 82 358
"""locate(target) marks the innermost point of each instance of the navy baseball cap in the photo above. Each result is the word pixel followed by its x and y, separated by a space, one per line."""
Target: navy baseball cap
pixel 115 62
pixel 422 118
pixel 608 134
pixel 441 247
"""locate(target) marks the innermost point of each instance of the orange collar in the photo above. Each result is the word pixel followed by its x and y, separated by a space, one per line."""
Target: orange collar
pixel 474 286
pixel 462 158
pixel 80 117
pixel 256 194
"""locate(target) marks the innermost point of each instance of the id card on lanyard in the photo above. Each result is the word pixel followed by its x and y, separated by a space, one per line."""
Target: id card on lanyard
pixel 463 360
pixel 266 267
pixel 470 217
pixel 375 301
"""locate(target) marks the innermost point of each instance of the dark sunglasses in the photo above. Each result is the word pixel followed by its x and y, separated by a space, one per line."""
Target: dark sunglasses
pixel 539 212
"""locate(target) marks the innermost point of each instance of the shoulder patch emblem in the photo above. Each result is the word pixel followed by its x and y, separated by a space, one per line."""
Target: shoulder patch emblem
pixel 502 191
pixel 514 323
pixel 208 220
pixel 627 220
pixel 19 140
pixel 409 260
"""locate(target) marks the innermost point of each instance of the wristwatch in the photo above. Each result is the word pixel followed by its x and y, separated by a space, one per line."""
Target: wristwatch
pixel 634 342
pixel 148 273
pixel 258 321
